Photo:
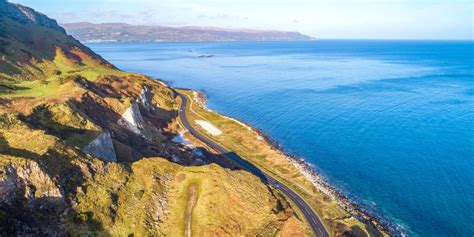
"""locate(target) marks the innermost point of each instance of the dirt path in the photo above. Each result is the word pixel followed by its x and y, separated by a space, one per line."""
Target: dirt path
pixel 192 198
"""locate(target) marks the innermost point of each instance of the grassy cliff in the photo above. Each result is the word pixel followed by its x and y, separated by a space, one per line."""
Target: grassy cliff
pixel 62 106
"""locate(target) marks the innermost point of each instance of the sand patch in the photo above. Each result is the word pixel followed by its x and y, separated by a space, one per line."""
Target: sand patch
pixel 209 127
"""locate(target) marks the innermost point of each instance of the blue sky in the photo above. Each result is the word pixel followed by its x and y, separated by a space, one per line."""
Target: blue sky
pixel 368 19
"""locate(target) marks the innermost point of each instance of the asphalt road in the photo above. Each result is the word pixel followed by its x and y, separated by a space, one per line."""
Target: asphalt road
pixel 315 222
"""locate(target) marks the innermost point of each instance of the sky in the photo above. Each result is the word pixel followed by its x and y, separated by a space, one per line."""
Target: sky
pixel 345 19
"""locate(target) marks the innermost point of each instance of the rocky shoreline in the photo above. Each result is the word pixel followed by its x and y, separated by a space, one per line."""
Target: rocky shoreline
pixel 356 210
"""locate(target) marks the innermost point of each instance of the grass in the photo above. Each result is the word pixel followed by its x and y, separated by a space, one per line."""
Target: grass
pixel 35 58
pixel 88 68
pixel 30 51
pixel 55 85
pixel 37 89
pixel 66 122
pixel 248 144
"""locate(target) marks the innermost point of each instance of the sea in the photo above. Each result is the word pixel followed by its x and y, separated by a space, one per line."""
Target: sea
pixel 388 123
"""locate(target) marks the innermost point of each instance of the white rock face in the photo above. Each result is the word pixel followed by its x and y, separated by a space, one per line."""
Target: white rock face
pixel 102 147
pixel 132 119
pixel 144 99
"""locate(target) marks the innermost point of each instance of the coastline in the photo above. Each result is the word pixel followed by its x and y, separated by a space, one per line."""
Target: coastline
pixel 356 210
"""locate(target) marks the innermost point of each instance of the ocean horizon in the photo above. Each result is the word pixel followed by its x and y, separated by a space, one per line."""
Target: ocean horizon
pixel 387 122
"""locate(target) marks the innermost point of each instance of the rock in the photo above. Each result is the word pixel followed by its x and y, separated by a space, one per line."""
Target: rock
pixel 132 119
pixel 102 147
pixel 8 185
pixel 144 99
pixel 32 201
pixel 27 182
pixel 174 158
pixel 26 15
pixel 206 56
pixel 197 152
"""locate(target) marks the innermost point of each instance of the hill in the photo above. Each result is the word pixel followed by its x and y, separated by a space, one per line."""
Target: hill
pixel 34 46
pixel 87 149
pixel 120 32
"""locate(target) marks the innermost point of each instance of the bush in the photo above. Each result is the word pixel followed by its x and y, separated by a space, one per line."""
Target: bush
pixel 139 194
pixel 83 217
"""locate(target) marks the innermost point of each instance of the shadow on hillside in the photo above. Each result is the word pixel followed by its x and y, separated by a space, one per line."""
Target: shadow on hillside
pixel 7 89
pixel 242 164
pixel 233 161
pixel 28 214
pixel 40 216
pixel 42 118
pixel 5 149
pixel 44 216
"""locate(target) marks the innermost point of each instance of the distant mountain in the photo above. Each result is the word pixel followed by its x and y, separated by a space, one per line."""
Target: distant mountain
pixel 120 32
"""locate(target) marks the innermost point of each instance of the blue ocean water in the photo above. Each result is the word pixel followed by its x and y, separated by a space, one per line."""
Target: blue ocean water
pixel 391 123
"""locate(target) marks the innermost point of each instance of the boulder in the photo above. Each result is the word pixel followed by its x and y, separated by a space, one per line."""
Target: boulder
pixel 102 147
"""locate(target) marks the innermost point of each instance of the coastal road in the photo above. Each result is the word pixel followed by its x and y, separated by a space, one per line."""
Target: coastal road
pixel 313 219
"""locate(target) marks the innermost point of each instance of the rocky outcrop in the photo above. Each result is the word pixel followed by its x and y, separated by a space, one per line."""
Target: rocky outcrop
pixel 102 147
pixel 133 119
pixel 31 200
pixel 27 182
pixel 145 99
pixel 26 15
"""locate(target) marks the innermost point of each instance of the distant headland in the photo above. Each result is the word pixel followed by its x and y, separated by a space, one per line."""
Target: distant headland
pixel 121 32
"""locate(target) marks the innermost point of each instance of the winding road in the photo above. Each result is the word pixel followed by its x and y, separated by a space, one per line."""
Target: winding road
pixel 313 219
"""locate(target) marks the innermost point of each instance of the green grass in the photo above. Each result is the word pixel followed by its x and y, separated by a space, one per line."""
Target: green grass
pixel 34 57
pixel 54 85
pixel 89 69
pixel 36 89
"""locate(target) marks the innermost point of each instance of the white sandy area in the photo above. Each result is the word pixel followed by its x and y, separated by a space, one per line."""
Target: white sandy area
pixel 209 127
